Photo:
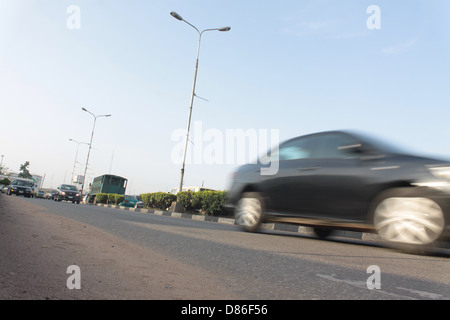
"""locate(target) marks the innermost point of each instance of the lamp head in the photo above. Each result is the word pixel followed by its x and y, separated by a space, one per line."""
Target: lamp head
pixel 176 16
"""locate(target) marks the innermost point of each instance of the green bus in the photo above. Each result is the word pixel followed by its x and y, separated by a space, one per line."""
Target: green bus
pixel 107 183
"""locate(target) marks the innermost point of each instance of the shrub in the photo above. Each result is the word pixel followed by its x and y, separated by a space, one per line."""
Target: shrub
pixel 101 198
pixel 163 200
pixel 118 198
pixel 197 200
pixel 209 202
pixel 147 199
pixel 213 202
pixel 186 198
pixel 111 198
pixel 158 200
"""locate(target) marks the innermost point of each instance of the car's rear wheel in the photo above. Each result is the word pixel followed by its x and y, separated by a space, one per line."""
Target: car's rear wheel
pixel 407 219
pixel 249 211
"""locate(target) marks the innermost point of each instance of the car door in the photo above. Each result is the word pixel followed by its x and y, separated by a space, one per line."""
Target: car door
pixel 288 190
pixel 319 176
pixel 338 186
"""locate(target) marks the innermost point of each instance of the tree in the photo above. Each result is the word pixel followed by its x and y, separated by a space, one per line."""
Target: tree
pixel 5 181
pixel 24 173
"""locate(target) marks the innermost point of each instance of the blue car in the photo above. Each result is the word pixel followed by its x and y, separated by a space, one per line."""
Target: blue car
pixel 132 202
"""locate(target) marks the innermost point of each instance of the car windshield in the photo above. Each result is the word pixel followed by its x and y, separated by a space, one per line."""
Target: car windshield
pixel 22 183
pixel 67 187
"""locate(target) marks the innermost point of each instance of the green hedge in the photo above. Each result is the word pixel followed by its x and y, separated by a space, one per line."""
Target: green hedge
pixel 208 202
pixel 101 198
pixel 110 198
pixel 158 200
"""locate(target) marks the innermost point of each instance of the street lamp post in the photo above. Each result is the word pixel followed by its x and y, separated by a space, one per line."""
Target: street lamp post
pixel 200 33
pixel 76 155
pixel 90 144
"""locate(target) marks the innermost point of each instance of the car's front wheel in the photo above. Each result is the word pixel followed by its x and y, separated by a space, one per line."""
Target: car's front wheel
pixel 407 219
pixel 249 211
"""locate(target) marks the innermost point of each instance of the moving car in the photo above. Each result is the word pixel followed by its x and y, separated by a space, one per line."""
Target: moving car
pixel 20 187
pixel 132 201
pixel 346 180
pixel 40 194
pixel 67 192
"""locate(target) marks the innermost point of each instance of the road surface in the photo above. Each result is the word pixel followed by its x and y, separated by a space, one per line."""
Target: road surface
pixel 131 255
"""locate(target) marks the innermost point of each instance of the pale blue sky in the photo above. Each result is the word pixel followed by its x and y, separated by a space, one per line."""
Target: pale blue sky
pixel 294 66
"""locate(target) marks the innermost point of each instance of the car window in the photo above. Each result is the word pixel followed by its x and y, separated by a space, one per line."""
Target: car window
pixel 302 148
pixel 335 146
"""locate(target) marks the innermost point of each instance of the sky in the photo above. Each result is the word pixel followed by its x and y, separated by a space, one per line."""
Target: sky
pixel 285 69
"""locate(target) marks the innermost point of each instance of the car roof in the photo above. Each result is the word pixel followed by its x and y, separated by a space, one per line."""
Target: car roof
pixel 361 136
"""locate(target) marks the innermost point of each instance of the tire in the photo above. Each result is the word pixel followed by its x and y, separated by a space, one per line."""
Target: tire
pixel 408 219
pixel 249 212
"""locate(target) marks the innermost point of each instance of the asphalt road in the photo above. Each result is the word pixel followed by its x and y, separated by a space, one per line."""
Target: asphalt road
pixel 131 255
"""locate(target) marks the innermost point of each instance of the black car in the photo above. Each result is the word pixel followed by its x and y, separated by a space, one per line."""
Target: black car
pixel 346 180
pixel 67 192
pixel 20 187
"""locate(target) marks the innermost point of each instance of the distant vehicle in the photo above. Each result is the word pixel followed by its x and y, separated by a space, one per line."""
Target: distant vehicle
pixel 132 202
pixel 50 195
pixel 39 194
pixel 192 189
pixel 346 180
pixel 67 192
pixel 20 187
pixel 107 184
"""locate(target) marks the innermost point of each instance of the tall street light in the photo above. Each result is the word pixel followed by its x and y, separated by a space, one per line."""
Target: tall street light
pixel 200 33
pixel 76 155
pixel 90 144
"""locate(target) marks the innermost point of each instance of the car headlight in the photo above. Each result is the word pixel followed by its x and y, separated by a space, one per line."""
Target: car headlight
pixel 63 193
pixel 28 189
pixel 440 172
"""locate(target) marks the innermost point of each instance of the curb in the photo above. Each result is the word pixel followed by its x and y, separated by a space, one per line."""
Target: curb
pixel 231 221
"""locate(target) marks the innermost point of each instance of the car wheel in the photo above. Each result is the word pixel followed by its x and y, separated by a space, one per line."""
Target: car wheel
pixel 249 211
pixel 408 219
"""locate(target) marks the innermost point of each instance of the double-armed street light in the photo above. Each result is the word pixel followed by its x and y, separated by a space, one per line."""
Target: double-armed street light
pixel 90 144
pixel 76 155
pixel 200 33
